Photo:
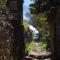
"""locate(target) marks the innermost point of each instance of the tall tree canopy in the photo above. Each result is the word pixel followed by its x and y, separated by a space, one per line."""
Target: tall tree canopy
pixel 43 14
pixel 44 5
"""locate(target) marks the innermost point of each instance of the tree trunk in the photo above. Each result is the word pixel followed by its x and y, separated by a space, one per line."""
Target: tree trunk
pixel 57 36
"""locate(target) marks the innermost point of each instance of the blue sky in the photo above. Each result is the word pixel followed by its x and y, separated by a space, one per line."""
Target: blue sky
pixel 26 8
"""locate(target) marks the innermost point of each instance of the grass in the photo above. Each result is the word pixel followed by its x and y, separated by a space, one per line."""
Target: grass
pixel 43 45
pixel 31 46
pixel 26 24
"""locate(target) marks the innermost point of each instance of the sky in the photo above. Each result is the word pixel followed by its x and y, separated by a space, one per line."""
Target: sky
pixel 26 8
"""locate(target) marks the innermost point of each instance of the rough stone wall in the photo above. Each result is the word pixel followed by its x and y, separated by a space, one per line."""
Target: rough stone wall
pixel 5 35
pixel 11 31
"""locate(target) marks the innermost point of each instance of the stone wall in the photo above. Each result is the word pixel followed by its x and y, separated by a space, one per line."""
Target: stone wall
pixel 11 31
pixel 5 35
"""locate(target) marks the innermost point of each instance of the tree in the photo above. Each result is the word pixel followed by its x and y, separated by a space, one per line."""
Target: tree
pixel 44 13
pixel 51 8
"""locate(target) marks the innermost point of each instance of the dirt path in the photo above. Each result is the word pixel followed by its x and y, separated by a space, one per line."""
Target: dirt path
pixel 39 54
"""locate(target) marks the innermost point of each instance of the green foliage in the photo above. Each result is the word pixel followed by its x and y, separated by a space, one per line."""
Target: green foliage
pixel 43 45
pixel 39 18
pixel 2 3
pixel 42 25
pixel 30 46
pixel 32 8
pixel 26 24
